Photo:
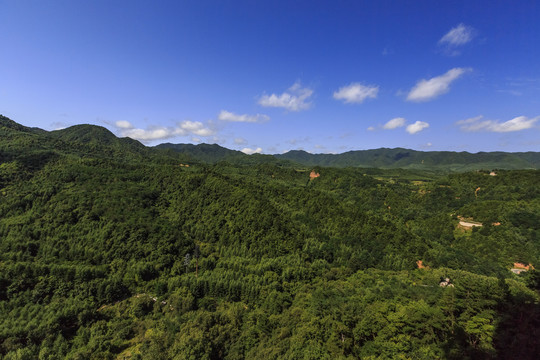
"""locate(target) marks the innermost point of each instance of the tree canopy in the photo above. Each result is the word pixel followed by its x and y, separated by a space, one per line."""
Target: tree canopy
pixel 109 249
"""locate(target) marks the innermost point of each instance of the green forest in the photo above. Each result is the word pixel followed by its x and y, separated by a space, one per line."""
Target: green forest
pixel 113 250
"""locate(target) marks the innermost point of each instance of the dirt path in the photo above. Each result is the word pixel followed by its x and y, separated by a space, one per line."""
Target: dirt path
pixel 468 224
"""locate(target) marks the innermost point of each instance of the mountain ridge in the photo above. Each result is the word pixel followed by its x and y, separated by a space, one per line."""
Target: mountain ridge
pixel 385 158
pixel 408 158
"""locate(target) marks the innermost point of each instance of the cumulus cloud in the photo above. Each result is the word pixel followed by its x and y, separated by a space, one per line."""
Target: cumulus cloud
pixel 425 90
pixel 294 99
pixel 371 128
pixel 249 151
pixel 196 128
pixel 394 123
pixel 225 115
pixel 151 133
pixel 122 124
pixel 457 36
pixel 416 127
pixel 479 124
pixel 356 93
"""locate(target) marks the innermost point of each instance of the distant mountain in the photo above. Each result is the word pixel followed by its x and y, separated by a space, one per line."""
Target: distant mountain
pixel 213 153
pixel 210 153
pixel 100 142
pixel 412 159
pixel 375 158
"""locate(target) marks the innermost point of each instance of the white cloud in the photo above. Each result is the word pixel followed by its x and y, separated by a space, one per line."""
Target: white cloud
pixel 394 123
pixel 151 133
pixel 123 124
pixel 249 151
pixel 356 93
pixel 148 134
pixel 294 99
pixel 58 125
pixel 425 90
pixel 416 127
pixel 225 115
pixel 371 128
pixel 459 35
pixel 240 141
pixel 478 124
pixel 196 128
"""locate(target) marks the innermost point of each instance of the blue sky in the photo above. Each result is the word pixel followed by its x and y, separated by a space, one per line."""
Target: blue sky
pixel 323 76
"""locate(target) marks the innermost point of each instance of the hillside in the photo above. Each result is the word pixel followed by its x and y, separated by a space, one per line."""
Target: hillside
pixel 95 135
pixel 33 147
pixel 132 256
pixel 412 159
pixel 213 153
pixel 384 158
pixel 205 152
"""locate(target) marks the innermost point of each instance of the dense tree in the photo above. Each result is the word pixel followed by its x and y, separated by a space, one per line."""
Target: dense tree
pixel 112 250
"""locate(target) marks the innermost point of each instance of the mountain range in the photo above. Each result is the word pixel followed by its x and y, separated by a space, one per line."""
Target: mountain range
pixel 97 137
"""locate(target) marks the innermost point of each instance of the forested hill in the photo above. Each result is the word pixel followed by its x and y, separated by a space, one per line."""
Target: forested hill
pixel 447 161
pixel 113 250
pixel 412 159
pixel 33 147
pixel 213 153
pixel 206 152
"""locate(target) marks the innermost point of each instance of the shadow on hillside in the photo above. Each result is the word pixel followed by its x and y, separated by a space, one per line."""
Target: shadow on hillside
pixel 518 334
